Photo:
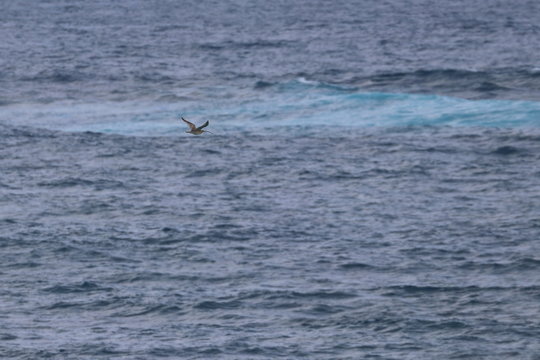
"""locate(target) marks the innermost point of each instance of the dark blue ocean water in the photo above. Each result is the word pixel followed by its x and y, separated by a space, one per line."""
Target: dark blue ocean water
pixel 371 189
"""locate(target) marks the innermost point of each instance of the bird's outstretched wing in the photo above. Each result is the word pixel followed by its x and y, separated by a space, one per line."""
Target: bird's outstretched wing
pixel 203 125
pixel 191 126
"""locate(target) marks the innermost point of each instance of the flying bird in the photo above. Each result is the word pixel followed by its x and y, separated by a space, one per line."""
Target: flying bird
pixel 196 130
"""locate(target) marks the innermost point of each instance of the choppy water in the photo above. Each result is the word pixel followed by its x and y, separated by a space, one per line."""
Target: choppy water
pixel 372 189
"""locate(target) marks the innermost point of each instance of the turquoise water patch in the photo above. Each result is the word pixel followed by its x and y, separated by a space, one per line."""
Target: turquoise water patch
pixel 295 103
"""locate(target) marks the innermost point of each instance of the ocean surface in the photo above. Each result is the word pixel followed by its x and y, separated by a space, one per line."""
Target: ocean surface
pixel 371 189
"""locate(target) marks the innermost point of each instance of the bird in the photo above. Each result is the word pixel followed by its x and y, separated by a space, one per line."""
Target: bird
pixel 196 130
